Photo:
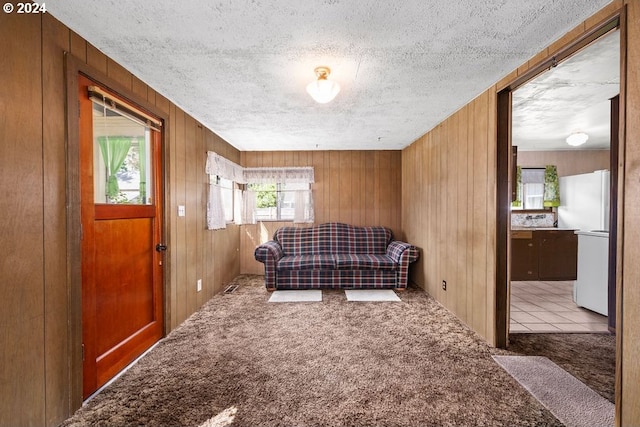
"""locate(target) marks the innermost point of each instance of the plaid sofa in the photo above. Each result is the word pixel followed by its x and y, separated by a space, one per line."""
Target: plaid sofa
pixel 335 255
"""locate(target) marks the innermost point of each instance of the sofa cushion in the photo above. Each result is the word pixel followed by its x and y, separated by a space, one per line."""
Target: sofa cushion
pixel 333 238
pixel 365 262
pixel 307 262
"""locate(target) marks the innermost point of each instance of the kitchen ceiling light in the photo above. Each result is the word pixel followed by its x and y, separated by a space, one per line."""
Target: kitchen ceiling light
pixel 576 139
pixel 323 90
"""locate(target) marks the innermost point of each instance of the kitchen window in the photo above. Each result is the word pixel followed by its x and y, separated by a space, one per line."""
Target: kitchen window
pixel 532 188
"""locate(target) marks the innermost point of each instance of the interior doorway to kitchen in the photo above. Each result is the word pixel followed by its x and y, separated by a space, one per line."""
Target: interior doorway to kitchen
pixel 506 162
pixel 550 290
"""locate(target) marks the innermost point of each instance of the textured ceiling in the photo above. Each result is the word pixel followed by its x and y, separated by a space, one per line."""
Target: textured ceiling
pixel 572 97
pixel 240 67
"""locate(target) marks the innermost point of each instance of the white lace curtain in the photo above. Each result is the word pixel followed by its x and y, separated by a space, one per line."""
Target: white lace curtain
pixel 215 209
pixel 245 201
pixel 303 211
pixel 224 168
pixel 218 165
pixel 297 175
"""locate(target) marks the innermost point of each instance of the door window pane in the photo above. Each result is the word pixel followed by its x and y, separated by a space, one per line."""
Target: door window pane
pixel 122 159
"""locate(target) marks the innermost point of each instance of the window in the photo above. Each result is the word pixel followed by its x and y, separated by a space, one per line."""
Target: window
pixel 122 156
pixel 277 201
pixel 227 193
pixel 532 188
pixel 247 195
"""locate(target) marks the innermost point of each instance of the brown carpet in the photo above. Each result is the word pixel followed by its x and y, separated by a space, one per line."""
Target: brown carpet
pixel 332 363
pixel 591 358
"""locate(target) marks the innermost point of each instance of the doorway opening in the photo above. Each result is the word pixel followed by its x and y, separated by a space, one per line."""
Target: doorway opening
pixel 507 162
pixel 560 218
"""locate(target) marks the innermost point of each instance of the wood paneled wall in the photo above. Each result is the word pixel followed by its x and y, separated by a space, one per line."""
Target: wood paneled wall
pixel 447 197
pixel 356 187
pixel 447 217
pixel 449 210
pixel 38 379
pixel 568 162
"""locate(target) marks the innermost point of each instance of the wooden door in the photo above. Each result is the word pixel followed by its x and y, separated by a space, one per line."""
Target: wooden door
pixel 121 209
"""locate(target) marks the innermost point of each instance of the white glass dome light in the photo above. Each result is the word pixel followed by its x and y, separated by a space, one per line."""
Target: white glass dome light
pixel 577 138
pixel 323 90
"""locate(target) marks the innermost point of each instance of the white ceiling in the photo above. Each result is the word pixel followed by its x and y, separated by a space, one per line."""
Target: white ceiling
pixel 240 67
pixel 572 97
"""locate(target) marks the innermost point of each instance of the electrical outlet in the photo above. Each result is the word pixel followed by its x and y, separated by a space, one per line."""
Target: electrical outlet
pixel 199 285
pixel 444 285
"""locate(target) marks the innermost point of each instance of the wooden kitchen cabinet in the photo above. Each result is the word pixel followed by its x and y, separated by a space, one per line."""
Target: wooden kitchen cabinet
pixel 557 254
pixel 524 256
pixel 544 254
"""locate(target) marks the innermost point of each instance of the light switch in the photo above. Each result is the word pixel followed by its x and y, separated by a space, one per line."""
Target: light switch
pixel 181 210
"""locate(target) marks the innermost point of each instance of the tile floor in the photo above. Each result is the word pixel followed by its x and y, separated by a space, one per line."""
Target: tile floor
pixel 549 307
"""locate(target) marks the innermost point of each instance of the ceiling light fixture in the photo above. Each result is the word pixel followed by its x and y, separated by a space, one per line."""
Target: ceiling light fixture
pixel 323 90
pixel 577 138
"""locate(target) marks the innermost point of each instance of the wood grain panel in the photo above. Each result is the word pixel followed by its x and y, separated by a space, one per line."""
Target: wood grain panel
pixel 480 214
pixel 118 73
pixel 191 220
pixel 568 162
pixel 449 174
pixel 629 375
pixel 491 200
pixel 462 228
pixel 470 211
pixel 139 88
pixel 171 218
pixel 162 103
pixel 179 245
pixel 320 186
pixel 57 341
pixel 200 187
pixel 453 176
pixel 78 46
pixel 22 335
pixel 96 59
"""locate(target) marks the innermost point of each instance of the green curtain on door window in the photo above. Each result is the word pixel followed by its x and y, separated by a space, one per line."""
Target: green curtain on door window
pixel 551 197
pixel 517 203
pixel 114 150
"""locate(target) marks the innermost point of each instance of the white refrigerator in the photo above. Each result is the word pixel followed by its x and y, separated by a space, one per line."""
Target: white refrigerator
pixel 584 201
pixel 584 206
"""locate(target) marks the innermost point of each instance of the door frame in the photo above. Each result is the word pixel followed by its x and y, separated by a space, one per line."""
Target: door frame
pixel 503 233
pixel 504 94
pixel 73 68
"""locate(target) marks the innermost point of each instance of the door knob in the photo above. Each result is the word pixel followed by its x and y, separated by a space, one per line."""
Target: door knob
pixel 160 247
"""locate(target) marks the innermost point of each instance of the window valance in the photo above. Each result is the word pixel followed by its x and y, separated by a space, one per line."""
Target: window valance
pixel 245 208
pixel 225 168
pixel 287 175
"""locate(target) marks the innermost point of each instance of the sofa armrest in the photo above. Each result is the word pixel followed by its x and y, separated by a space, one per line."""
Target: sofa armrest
pixel 398 251
pixel 269 254
pixel 404 254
